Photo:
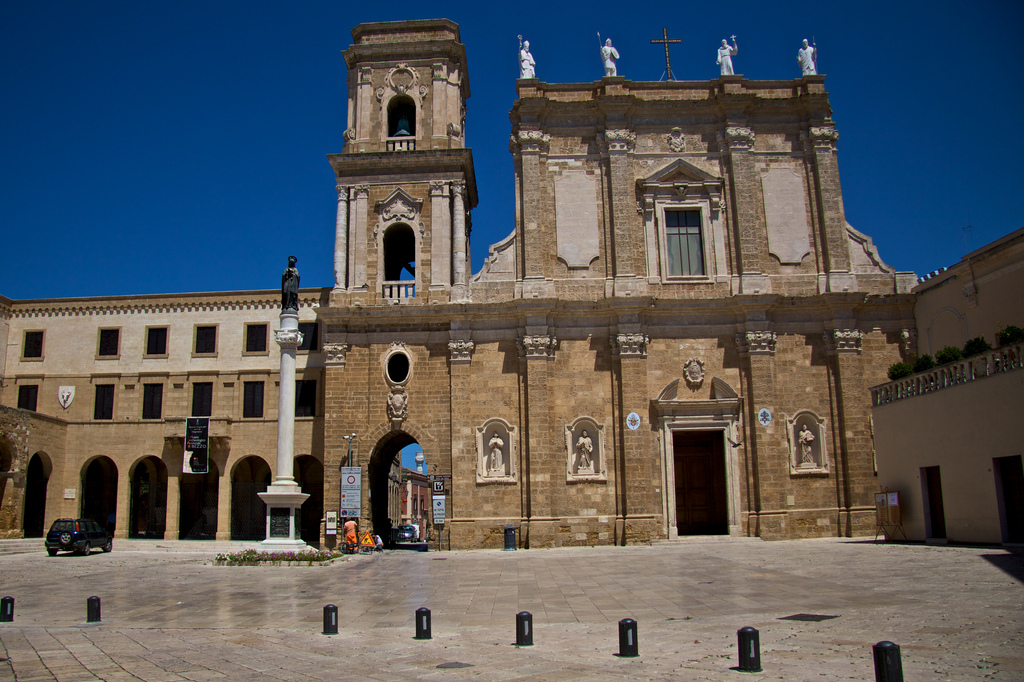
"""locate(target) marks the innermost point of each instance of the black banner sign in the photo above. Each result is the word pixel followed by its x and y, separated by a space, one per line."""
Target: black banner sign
pixel 197 445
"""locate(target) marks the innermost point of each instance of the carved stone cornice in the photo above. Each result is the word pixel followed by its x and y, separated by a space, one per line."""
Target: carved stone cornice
pixel 460 350
pixel 618 140
pixel 739 138
pixel 335 354
pixel 843 340
pixel 287 337
pixel 184 303
pixel 756 342
pixel 537 346
pixel 821 138
pixel 529 141
pixel 630 344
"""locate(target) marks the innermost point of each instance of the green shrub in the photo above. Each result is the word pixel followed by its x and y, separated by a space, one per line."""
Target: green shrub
pixel 898 370
pixel 1010 334
pixel 923 364
pixel 948 354
pixel 976 346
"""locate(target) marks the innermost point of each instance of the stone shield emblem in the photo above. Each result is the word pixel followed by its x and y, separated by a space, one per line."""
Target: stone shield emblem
pixel 65 396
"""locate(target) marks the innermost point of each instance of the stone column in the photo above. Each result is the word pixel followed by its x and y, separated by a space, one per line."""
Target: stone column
pixel 284 496
pixel 357 236
pixel 544 472
pixel 458 241
pixel 341 240
pixel 748 231
pixel 440 237
pixel 121 519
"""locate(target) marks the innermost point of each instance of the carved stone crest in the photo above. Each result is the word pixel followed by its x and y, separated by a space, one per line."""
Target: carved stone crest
pixel 65 396
pixel 398 405
pixel 693 371
pixel 676 141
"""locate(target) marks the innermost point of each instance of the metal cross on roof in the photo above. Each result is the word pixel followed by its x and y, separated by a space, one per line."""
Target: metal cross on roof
pixel 666 40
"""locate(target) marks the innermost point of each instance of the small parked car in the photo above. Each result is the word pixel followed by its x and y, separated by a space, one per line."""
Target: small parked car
pixel 77 535
pixel 407 533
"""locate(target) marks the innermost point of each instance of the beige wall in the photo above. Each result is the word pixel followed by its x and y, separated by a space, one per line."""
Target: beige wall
pixel 959 429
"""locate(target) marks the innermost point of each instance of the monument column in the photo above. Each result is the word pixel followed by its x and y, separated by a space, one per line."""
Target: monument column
pixel 283 497
pixel 459 241
pixel 341 240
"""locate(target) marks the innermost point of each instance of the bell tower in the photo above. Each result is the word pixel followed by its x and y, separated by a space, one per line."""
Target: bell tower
pixel 405 179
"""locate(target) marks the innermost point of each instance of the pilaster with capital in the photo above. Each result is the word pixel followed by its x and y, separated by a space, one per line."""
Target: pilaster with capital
pixel 617 145
pixel 341 240
pixel 633 344
pixel 460 351
pixel 458 240
pixel 843 340
pixel 358 234
pixel 757 342
pixel 335 353
pixel 750 233
pixel 534 346
pixel 440 236
pixel 531 146
pixel 820 146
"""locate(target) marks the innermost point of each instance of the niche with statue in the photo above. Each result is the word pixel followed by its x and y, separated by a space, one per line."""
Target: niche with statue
pixel 584 445
pixel 808 454
pixel 496 452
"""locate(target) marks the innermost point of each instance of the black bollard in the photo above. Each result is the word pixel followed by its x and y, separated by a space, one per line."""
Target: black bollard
pixel 92 610
pixel 422 623
pixel 750 650
pixel 524 628
pixel 7 610
pixel 628 644
pixel 330 619
pixel 888 666
pixel 510 538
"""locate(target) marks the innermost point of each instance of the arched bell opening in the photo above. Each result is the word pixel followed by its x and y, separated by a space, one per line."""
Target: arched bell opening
pixel 402 117
pixel 399 253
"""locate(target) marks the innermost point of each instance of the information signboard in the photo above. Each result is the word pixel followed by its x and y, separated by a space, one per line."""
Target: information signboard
pixel 331 525
pixel 439 509
pixel 351 491
pixel 888 517
pixel 197 446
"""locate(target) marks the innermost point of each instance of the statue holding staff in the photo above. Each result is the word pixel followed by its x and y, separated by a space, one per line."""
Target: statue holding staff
pixel 527 65
pixel 725 55
pixel 807 57
pixel 609 55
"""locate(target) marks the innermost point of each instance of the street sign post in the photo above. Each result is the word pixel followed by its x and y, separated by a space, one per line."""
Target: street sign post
pixel 351 491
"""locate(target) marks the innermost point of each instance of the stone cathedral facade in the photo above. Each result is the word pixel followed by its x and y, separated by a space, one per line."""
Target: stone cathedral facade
pixel 677 338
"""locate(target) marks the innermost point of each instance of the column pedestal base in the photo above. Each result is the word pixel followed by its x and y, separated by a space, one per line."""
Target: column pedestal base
pixel 283 502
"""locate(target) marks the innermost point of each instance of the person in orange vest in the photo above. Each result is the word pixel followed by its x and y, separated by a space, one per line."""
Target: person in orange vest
pixel 351 539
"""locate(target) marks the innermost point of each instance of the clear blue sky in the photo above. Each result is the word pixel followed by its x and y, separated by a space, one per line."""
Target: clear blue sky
pixel 171 147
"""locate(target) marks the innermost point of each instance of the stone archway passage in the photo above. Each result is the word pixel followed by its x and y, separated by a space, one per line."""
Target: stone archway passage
pixel 309 474
pixel 35 498
pixel 384 472
pixel 99 492
pixel 250 477
pixel 147 516
pixel 198 505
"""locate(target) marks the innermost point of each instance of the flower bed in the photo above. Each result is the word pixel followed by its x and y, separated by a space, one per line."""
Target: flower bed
pixel 250 557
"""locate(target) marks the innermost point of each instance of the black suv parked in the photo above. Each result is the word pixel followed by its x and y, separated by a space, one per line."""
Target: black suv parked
pixel 77 535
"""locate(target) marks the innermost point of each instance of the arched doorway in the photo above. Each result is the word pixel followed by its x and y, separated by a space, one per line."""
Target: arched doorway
pixel 99 492
pixel 250 477
pixel 6 465
pixel 385 474
pixel 309 474
pixel 147 516
pixel 36 479
pixel 198 505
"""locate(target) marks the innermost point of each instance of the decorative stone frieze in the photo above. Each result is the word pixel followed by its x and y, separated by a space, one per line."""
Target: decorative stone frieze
pixel 843 340
pixel 756 342
pixel 335 354
pixel 527 141
pixel 631 344
pixel 537 346
pixel 460 350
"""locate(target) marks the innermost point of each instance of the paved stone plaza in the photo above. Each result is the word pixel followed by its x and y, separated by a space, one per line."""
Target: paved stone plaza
pixel 168 614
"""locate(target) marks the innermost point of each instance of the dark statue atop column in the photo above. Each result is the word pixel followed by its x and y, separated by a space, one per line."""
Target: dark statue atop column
pixel 290 286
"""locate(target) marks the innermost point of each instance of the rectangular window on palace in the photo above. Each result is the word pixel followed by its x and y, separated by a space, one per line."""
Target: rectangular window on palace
pixel 152 401
pixel 252 399
pixel 202 399
pixel 305 398
pixel 683 244
pixel 206 340
pixel 103 408
pixel 33 347
pixel 156 341
pixel 256 338
pixel 109 341
pixel 28 396
pixel 309 336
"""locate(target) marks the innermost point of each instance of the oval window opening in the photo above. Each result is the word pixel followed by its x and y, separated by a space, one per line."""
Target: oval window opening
pixel 398 368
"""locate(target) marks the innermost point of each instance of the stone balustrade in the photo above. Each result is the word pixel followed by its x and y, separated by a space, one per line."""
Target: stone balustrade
pixel 401 144
pixel 398 290
pixel 977 367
